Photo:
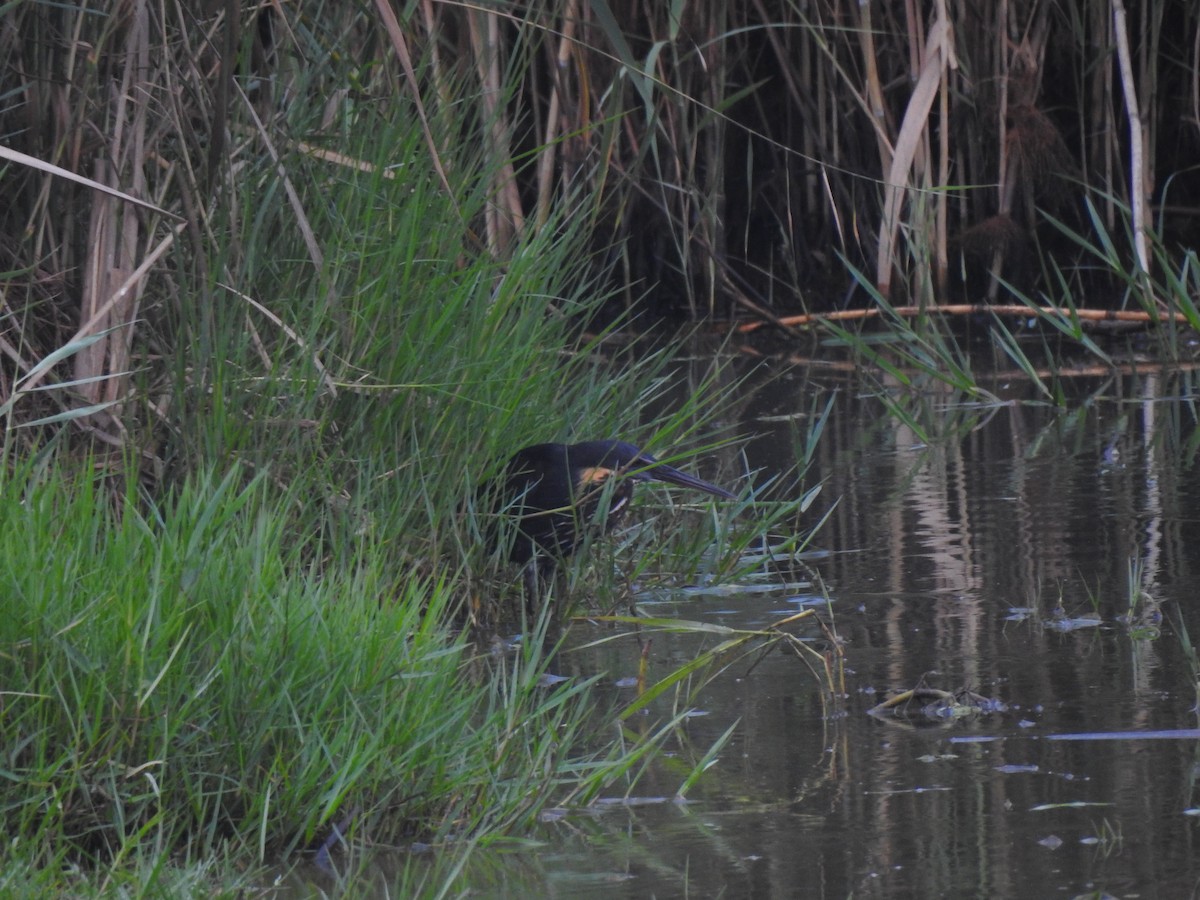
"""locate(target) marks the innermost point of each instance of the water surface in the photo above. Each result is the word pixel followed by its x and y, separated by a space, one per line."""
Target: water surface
pixel 1044 556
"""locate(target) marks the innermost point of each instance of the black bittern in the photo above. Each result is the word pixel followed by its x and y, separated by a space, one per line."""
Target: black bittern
pixel 554 492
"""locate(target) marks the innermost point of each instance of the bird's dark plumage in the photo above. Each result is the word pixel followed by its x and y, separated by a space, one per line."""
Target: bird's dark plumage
pixel 553 492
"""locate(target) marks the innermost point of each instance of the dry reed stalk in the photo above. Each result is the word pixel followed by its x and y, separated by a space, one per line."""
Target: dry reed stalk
pixel 941 193
pixel 1102 119
pixel 941 242
pixel 1003 200
pixel 638 94
pixel 970 309
pixel 709 170
pixel 814 74
pixel 1004 193
pixel 24 159
pixel 876 107
pixel 1032 155
pixel 1149 79
pixel 1194 81
pixel 556 124
pixel 1138 165
pixel 437 69
pixel 315 253
pixel 504 216
pixel 400 45
pixel 92 325
pixel 101 368
pixel 292 334
pixel 1000 376
pixel 939 55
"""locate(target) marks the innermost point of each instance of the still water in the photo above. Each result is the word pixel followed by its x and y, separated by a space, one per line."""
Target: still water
pixel 1044 556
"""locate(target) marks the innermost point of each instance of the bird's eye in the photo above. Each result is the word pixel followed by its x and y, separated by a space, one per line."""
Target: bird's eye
pixel 593 475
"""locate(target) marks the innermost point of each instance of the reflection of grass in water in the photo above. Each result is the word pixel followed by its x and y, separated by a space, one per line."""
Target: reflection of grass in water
pixel 734 647
pixel 1179 626
pixel 1142 614
pixel 1108 838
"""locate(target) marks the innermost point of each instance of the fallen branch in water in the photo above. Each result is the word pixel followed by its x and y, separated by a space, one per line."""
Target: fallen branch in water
pixel 969 309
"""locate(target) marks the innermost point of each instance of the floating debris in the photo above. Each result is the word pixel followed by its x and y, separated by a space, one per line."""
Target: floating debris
pixel 1068 623
pixel 930 705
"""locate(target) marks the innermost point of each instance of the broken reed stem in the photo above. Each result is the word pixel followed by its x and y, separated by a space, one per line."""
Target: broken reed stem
pixel 969 309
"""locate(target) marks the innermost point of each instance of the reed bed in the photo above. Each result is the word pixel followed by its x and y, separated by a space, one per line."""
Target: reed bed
pixel 732 156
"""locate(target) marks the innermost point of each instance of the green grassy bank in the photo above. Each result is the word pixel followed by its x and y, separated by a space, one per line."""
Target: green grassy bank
pixel 236 545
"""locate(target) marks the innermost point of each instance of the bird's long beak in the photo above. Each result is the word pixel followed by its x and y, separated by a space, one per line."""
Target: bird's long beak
pixel 656 471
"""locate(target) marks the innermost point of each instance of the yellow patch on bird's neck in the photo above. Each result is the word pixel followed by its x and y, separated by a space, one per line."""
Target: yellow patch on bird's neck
pixel 594 475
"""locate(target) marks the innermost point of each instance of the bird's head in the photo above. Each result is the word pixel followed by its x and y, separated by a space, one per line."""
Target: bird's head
pixel 594 462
